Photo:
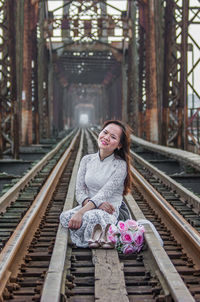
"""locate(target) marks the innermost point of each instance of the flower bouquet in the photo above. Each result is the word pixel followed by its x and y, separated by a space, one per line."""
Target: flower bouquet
pixel 128 236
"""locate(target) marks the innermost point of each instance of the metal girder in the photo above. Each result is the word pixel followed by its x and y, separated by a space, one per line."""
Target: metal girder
pixel 29 99
pixel 166 73
pixel 87 21
pixel 43 82
pixel 9 135
pixel 178 17
pixel 18 87
pixel 155 61
pixel 147 65
pixel 89 67
pixel 85 54
pixel 132 69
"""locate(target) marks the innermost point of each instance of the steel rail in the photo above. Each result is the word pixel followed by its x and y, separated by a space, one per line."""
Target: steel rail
pixel 55 277
pixel 167 274
pixel 21 238
pixel 180 155
pixel 13 192
pixel 166 271
pixel 52 287
pixel 185 233
pixel 187 195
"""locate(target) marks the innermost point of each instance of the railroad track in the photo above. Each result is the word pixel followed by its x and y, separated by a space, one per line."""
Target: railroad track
pixel 15 203
pixel 54 270
pixel 181 166
pixel 184 201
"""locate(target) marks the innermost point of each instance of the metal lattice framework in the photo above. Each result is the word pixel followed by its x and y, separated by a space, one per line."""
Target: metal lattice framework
pixel 90 51
pixel 144 61
pixel 5 102
pixel 192 77
pixel 164 80
pixel 19 86
pixel 180 71
pixel 8 100
pixel 87 21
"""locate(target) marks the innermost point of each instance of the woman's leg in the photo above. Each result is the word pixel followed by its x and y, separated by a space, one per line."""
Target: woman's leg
pixel 81 236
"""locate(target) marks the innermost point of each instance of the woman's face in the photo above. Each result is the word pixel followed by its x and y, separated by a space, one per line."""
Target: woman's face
pixel 109 138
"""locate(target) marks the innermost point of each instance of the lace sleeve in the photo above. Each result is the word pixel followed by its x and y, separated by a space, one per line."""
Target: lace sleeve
pixel 81 188
pixel 115 181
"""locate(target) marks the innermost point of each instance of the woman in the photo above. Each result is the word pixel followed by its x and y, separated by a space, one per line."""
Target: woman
pixel 103 178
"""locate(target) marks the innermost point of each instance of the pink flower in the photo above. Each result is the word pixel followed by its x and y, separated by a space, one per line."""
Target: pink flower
pixel 127 237
pixel 113 229
pixel 138 238
pixel 131 224
pixel 112 238
pixel 129 249
pixel 122 226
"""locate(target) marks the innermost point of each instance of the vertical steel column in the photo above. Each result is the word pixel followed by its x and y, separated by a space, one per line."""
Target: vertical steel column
pixel 99 100
pixel 130 85
pixel 151 78
pixel 26 119
pixel 103 8
pixel 11 10
pixel 50 96
pixel 55 107
pixel 19 57
pixel 102 98
pixel 133 81
pixel 5 74
pixel 159 32
pixel 35 104
pixel 183 108
pixel 106 103
pixel 118 89
pixel 60 108
pixel 124 88
pixel 66 23
pixel 141 71
pixel 143 67
pixel 44 127
pixel 66 101
pixel 168 51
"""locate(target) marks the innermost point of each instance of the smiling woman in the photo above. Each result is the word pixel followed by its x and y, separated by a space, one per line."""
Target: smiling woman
pixel 103 178
pixel 109 140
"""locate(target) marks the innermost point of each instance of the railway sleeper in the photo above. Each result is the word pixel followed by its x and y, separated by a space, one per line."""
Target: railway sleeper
pixel 182 262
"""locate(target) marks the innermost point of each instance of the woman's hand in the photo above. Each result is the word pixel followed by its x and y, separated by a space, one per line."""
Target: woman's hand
pixel 106 206
pixel 75 221
pixel 85 202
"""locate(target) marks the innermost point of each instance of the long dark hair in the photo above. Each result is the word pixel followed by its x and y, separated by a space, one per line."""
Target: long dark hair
pixel 124 151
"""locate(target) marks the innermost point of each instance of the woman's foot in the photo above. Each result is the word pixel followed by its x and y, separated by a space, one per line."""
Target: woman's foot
pixel 105 242
pixel 94 241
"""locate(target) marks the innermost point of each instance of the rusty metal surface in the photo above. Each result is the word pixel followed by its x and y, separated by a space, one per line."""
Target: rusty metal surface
pixel 28 225
pixel 54 277
pixel 8 74
pixel 182 262
pixel 173 23
pixel 141 274
pixel 12 193
pixel 187 235
pixel 81 42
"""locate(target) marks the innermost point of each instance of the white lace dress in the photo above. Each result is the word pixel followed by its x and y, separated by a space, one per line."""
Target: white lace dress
pixel 98 180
